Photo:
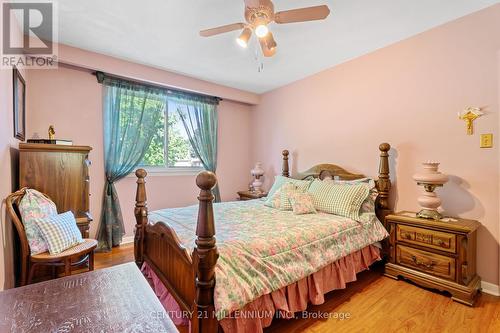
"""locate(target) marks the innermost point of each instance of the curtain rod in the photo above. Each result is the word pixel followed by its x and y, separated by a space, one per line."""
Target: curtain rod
pixel 101 75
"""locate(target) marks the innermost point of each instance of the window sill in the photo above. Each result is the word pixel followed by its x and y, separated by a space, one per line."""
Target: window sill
pixel 173 172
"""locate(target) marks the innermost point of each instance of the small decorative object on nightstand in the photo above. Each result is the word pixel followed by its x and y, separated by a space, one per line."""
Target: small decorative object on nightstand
pixel 249 195
pixel 439 254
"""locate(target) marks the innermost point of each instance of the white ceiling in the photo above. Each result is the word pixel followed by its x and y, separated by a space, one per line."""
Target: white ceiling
pixel 164 34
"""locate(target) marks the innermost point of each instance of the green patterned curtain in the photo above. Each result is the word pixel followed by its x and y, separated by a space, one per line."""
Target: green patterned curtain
pixel 130 113
pixel 199 117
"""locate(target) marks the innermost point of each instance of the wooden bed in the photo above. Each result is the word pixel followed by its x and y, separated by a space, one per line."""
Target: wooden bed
pixel 190 278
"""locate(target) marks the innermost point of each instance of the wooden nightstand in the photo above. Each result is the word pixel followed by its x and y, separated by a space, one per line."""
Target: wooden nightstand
pixel 434 254
pixel 249 195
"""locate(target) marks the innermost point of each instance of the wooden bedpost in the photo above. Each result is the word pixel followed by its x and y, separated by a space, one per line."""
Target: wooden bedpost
pixel 285 169
pixel 205 256
pixel 383 183
pixel 141 216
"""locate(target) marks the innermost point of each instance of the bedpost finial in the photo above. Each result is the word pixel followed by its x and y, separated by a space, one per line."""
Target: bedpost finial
pixel 141 173
pixel 206 180
pixel 385 147
pixel 285 153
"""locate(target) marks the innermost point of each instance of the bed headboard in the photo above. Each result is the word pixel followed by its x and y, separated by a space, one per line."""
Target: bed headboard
pixel 322 171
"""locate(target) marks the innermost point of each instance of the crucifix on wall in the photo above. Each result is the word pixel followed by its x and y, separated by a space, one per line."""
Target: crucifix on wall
pixel 469 115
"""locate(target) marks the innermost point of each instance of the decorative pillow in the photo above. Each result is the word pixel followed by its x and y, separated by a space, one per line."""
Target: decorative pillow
pixel 274 201
pixel 274 196
pixel 280 180
pixel 368 205
pixel 339 199
pixel 286 191
pixel 35 206
pixel 60 232
pixel 302 203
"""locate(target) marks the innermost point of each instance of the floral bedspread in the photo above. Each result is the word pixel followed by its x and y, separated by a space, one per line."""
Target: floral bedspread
pixel 263 249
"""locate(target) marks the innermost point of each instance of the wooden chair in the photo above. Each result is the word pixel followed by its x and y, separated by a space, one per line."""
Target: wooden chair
pixel 75 256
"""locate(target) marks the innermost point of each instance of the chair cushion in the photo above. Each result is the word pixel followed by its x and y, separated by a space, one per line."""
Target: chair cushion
pixel 35 206
pixel 60 232
pixel 87 246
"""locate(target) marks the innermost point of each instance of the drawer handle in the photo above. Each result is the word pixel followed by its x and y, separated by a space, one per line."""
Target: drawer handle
pixel 406 235
pixel 417 262
pixel 443 243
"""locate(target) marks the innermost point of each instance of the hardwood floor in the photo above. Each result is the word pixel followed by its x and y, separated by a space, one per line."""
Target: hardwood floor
pixel 374 303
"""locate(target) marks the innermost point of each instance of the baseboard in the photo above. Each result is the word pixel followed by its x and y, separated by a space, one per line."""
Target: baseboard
pixel 490 288
pixel 130 239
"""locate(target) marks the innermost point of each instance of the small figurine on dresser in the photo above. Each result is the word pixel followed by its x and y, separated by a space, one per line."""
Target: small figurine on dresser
pixel 52 133
pixel 51 140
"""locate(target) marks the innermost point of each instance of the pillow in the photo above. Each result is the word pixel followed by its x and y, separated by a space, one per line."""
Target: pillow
pixel 280 180
pixel 35 206
pixel 286 191
pixel 60 232
pixel 302 203
pixel 338 199
pixel 368 205
pixel 274 201
pixel 273 195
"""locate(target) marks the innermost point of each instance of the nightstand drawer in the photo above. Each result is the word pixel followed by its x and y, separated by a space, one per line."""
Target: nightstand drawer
pixel 427 262
pixel 428 238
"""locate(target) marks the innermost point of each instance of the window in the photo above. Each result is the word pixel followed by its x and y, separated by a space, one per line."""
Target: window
pixel 170 149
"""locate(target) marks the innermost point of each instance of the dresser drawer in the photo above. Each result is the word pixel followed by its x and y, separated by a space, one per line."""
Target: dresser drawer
pixel 429 238
pixel 431 263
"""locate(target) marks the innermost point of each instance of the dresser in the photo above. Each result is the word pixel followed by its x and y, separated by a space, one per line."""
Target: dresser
pixel 434 254
pixel 61 172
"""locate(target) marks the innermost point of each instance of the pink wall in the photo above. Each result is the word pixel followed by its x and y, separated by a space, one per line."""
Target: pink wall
pixel 407 94
pixel 71 100
pixel 95 61
pixel 8 158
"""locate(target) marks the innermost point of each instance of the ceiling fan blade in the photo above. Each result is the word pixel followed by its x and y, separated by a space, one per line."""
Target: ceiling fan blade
pixel 221 29
pixel 268 45
pixel 302 14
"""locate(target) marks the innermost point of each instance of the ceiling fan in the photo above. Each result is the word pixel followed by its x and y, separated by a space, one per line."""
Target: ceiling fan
pixel 258 15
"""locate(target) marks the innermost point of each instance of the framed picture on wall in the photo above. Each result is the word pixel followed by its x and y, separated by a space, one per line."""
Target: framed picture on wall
pixel 19 105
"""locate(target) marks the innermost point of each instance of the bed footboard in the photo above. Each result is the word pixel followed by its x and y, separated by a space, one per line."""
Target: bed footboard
pixel 189 278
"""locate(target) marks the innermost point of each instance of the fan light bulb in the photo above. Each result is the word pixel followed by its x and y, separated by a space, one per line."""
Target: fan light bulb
pixel 244 37
pixel 261 30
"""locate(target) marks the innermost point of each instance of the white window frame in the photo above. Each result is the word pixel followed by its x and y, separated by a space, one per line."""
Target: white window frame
pixel 165 170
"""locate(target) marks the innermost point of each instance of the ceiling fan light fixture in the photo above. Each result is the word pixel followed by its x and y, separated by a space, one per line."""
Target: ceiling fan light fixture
pixel 261 30
pixel 244 37
pixel 270 42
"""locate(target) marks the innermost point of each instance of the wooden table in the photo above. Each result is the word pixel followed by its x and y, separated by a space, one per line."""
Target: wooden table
pixel 115 299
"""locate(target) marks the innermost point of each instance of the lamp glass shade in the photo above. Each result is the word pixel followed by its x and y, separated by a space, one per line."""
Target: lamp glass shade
pixel 270 42
pixel 429 201
pixel 244 37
